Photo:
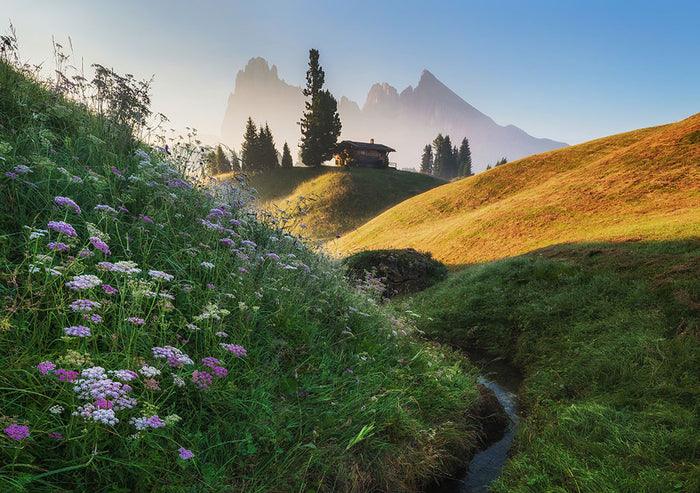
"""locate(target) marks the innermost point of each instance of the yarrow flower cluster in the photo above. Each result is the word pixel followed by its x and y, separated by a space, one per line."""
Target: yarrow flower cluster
pixel 208 265
pixel 106 396
pixel 66 375
pixel 161 275
pixel 124 267
pixel 62 227
pixel 105 208
pixel 149 371
pixel 135 320
pixel 147 422
pixel 185 454
pixel 84 282
pixel 58 246
pixel 202 378
pixel 68 202
pixel 45 367
pixel 237 350
pixel 84 305
pixel 77 330
pixel 176 358
pixel 100 245
pixel 17 432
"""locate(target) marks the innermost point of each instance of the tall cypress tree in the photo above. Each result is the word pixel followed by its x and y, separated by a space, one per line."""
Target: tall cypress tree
pixel 286 157
pixel 426 161
pixel 320 122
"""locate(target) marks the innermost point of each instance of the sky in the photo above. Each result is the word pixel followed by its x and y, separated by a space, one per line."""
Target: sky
pixel 568 70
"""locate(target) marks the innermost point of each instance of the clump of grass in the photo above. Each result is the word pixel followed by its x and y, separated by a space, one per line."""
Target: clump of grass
pixel 157 336
pixel 607 336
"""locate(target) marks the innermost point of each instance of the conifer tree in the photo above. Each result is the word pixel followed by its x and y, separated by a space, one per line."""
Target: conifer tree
pixel 439 156
pixel 320 122
pixel 223 165
pixel 268 153
pixel 250 149
pixel 426 161
pixel 286 157
pixel 465 159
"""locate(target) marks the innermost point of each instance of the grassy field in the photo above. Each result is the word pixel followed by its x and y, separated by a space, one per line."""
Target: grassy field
pixel 608 338
pixel 640 185
pixel 336 200
pixel 157 335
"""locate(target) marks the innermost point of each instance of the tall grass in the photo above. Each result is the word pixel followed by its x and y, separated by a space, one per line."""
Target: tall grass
pixel 607 336
pixel 156 334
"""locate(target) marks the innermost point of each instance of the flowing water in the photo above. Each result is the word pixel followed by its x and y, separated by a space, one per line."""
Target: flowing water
pixel 504 380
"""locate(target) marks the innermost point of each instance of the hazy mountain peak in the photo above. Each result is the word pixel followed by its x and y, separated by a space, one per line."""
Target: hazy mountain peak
pixel 381 94
pixel 257 72
pixel 426 77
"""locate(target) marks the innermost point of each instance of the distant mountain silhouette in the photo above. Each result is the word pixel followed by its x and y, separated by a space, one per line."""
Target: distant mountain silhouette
pixel 406 121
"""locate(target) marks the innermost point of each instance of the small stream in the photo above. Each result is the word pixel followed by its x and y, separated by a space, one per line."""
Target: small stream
pixel 503 379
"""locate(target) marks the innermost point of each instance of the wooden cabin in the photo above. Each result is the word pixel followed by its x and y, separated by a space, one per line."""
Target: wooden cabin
pixel 363 154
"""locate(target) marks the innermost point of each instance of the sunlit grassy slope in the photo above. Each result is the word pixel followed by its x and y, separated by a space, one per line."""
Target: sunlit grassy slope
pixel 643 184
pixel 338 199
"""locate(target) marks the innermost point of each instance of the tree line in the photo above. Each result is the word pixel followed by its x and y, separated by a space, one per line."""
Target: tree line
pixel 443 160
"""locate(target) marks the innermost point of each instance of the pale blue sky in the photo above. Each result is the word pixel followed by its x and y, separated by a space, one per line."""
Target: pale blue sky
pixel 570 70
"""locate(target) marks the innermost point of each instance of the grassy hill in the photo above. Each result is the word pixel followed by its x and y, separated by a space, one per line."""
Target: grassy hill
pixel 607 336
pixel 155 335
pixel 337 200
pixel 636 185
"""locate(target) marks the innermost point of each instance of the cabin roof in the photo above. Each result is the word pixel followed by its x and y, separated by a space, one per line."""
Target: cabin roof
pixel 368 146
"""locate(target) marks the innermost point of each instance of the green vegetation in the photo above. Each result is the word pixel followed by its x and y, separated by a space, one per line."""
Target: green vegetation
pixel 258 152
pixel 640 185
pixel 399 271
pixel 331 201
pixel 156 336
pixel 447 162
pixel 607 337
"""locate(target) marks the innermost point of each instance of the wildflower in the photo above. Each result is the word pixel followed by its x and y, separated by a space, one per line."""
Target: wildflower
pixel 221 334
pixel 151 384
pixel 135 320
pixel 104 208
pixel 62 227
pixel 155 422
pixel 55 436
pixel 75 358
pixel 108 289
pixel 211 286
pixel 202 378
pixel 237 350
pixel 176 358
pixel 11 175
pixel 219 371
pixel 149 371
pixel 249 243
pixel 185 454
pixel 22 169
pixel 56 409
pixel 84 282
pixel 124 266
pixel 66 375
pixel 94 318
pixel 58 246
pixel 125 375
pixel 84 305
pixel 227 241
pixel 68 202
pixel 208 265
pixel 45 367
pixel 273 256
pixel 77 179
pixel 78 330
pixel 94 385
pixel 85 253
pixel 210 361
pixel 100 245
pixel 17 432
pixel 146 219
pixel 116 172
pixel 161 275
pixel 178 381
pixel 172 419
pixel 192 327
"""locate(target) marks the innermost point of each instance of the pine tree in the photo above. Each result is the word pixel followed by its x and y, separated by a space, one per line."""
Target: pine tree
pixel 286 157
pixel 210 165
pixel 439 159
pixel 320 122
pixel 250 149
pixel 268 153
pixel 235 162
pixel 426 161
pixel 223 165
pixel 465 159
